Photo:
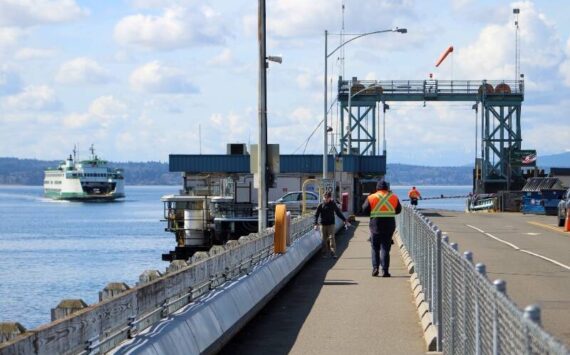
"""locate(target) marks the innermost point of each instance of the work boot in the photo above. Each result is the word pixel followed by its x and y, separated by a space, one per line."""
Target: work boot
pixel 386 274
pixel 375 272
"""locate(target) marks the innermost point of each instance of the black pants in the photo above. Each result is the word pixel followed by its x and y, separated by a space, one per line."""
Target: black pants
pixel 414 201
pixel 381 244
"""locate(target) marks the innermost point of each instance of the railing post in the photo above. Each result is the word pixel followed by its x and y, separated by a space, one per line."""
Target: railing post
pixel 481 269
pixel 468 255
pixel 438 290
pixel 501 287
pixel 531 313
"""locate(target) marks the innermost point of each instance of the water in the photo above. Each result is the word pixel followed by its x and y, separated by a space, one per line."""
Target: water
pixel 52 250
pixel 455 204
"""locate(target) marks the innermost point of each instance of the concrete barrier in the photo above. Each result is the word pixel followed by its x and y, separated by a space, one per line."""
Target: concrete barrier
pixel 98 328
pixel 10 330
pixel 424 314
pixel 204 326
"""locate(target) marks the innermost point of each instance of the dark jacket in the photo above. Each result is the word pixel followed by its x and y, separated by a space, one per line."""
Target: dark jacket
pixel 327 212
pixel 382 225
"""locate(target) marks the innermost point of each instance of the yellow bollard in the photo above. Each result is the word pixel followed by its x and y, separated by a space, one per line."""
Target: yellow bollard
pixel 280 235
pixel 567 222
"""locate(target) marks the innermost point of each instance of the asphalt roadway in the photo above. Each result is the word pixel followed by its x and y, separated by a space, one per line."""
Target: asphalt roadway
pixel 530 252
pixel 335 306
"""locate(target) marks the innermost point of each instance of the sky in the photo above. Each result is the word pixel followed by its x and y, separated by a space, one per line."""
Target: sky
pixel 142 79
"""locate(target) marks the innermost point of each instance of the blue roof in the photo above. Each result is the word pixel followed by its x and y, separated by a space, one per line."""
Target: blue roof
pixel 312 164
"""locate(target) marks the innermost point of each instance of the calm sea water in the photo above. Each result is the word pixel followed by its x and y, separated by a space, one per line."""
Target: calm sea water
pixel 51 250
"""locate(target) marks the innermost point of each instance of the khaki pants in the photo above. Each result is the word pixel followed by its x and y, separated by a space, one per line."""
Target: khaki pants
pixel 329 243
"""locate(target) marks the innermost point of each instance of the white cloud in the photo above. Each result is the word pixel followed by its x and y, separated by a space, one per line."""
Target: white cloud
pixel 75 120
pixel 108 107
pixel 301 18
pixel 82 71
pixel 10 81
pixel 230 127
pixel 9 36
pixel 307 79
pixel 25 13
pixel 34 53
pixel 565 65
pixel 176 28
pixel 103 112
pixel 225 57
pixel 156 78
pixel 33 98
pixel 153 4
pixel 491 56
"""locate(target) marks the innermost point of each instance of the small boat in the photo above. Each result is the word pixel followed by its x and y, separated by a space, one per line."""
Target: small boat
pixel 84 180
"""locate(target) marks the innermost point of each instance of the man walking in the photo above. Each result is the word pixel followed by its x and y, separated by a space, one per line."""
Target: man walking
pixel 382 206
pixel 414 195
pixel 326 210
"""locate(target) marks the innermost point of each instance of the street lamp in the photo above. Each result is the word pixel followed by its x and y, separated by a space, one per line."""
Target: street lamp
pixel 327 55
pixel 262 118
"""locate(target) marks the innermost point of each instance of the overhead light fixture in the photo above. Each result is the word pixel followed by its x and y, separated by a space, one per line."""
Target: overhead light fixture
pixel 275 58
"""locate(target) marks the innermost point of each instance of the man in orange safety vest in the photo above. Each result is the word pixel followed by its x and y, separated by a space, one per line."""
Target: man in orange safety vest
pixel 414 196
pixel 382 206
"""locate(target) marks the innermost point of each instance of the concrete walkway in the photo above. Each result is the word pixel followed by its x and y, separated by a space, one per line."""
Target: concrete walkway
pixel 337 307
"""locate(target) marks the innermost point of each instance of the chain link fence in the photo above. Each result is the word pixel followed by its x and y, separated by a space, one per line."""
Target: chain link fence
pixel 471 314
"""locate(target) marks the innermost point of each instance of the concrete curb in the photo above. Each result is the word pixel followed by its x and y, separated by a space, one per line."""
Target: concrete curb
pixel 424 314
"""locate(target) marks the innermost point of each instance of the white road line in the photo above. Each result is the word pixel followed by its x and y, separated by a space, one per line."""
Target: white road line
pixel 519 249
pixel 492 236
pixel 477 229
pixel 547 259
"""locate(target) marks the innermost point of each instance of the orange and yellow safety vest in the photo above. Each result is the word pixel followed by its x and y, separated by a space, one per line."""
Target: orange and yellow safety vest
pixel 382 204
pixel 413 193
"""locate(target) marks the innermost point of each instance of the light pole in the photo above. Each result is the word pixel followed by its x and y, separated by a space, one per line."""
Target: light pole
pixel 327 55
pixel 262 119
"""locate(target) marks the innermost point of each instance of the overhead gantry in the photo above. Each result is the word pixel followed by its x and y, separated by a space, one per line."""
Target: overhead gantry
pixel 500 120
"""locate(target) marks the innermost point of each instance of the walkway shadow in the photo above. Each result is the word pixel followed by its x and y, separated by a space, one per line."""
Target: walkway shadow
pixel 276 327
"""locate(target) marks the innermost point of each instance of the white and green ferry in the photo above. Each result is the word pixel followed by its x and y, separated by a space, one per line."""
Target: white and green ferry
pixel 90 179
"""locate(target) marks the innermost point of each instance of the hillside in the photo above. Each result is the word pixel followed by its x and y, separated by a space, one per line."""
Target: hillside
pixel 561 160
pixel 401 174
pixel 15 171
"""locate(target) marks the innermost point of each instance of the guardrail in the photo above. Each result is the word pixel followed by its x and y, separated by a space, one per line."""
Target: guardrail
pixel 432 86
pixel 100 327
pixel 471 314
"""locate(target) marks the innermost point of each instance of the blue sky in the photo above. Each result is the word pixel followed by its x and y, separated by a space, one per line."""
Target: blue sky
pixel 141 78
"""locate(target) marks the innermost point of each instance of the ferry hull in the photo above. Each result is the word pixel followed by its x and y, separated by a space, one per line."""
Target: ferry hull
pixel 81 196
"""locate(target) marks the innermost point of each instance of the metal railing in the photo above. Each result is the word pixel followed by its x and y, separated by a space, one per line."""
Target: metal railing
pixel 106 324
pixel 471 314
pixel 427 87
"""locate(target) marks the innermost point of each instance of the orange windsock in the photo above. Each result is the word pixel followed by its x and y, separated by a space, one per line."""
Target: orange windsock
pixel 444 55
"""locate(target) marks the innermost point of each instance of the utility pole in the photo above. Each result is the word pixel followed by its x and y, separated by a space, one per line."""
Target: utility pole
pixel 262 119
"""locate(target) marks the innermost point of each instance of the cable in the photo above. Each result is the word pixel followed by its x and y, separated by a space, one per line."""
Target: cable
pixel 306 142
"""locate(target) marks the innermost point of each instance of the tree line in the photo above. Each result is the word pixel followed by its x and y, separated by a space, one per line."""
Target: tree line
pixel 14 171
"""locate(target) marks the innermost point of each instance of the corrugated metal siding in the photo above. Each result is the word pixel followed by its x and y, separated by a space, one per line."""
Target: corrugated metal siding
pixel 312 164
pixel 209 163
pixel 373 164
pixel 303 163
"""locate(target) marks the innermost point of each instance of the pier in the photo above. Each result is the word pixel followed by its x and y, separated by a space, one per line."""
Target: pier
pixel 332 305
